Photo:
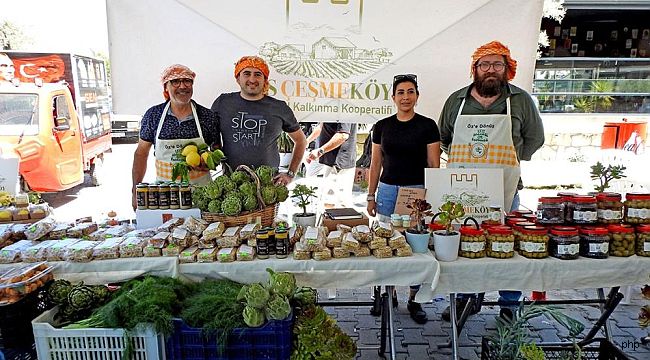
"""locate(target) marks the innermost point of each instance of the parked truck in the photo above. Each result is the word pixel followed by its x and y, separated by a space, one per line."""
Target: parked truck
pixel 55 117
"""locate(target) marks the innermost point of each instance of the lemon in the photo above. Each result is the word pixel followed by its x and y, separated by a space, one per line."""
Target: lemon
pixel 205 156
pixel 193 159
pixel 189 149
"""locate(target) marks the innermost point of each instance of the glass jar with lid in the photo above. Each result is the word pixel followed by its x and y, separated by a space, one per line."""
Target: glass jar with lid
pixel 472 242
pixel 585 209
pixel 550 210
pixel 622 240
pixel 643 240
pixel 594 242
pixel 533 243
pixel 564 243
pixel 494 216
pixel 637 208
pixel 610 208
pixel 500 242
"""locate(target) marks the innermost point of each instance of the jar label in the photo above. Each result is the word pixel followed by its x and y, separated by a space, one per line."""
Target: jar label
pixel 585 215
pixel 646 246
pixel 599 247
pixel 607 214
pixel 472 246
pixel 638 213
pixel 503 246
pixel 495 216
pixel 570 249
pixel 532 246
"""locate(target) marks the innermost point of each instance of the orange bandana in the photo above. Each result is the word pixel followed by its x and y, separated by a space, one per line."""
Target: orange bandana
pixel 495 48
pixel 176 71
pixel 254 62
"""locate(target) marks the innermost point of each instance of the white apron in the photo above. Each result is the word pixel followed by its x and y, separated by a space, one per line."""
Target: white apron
pixel 167 152
pixel 485 141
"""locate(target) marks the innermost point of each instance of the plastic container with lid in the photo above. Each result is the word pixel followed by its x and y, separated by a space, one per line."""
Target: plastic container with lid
pixel 500 242
pixel 610 208
pixel 643 240
pixel 637 208
pixel 522 213
pixel 564 243
pixel 594 242
pixel 494 216
pixel 550 210
pixel 622 240
pixel 472 242
pixel 516 230
pixel 568 206
pixel 533 242
pixel 584 209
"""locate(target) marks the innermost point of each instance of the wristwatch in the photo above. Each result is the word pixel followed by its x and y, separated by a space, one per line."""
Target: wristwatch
pixel 321 152
pixel 370 197
pixel 291 174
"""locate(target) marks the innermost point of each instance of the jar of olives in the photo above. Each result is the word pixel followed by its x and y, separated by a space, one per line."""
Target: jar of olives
pixel 568 205
pixel 622 240
pixel 516 230
pixel 564 243
pixel 550 210
pixel 533 243
pixel 500 242
pixel 472 242
pixel 610 208
pixel 637 208
pixel 643 240
pixel 594 242
pixel 584 209
pixel 522 213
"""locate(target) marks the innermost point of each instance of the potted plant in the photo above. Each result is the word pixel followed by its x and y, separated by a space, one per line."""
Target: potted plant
pixel 447 241
pixel 285 148
pixel 304 193
pixel 418 235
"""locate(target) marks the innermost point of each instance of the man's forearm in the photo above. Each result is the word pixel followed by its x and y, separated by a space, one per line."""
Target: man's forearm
pixel 139 169
pixel 337 140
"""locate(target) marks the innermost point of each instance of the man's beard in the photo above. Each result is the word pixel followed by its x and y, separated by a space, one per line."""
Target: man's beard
pixel 489 87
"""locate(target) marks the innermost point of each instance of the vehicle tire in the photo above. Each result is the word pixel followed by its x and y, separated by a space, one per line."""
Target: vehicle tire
pixel 96 169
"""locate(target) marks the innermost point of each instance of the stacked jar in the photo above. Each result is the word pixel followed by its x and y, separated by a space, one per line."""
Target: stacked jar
pixel 533 243
pixel 564 243
pixel 517 231
pixel 550 210
pixel 610 208
pixel 584 210
pixel 594 242
pixel 568 205
pixel 472 242
pixel 643 240
pixel 637 208
pixel 500 242
pixel 621 240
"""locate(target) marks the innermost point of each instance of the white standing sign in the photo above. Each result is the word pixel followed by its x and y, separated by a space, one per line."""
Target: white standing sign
pixel 9 174
pixel 475 189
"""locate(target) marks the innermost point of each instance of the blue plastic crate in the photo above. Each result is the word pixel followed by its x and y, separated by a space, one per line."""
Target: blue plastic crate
pixel 271 341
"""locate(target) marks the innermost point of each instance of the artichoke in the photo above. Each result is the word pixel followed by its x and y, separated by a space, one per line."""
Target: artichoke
pixel 239 177
pixel 81 297
pixel 253 317
pixel 281 283
pixel 265 173
pixel 250 202
pixel 242 293
pixel 234 193
pixel 59 290
pixel 225 183
pixel 213 190
pixel 282 193
pixel 268 194
pixel 277 308
pixel 102 294
pixel 231 206
pixel 214 206
pixel 257 296
pixel 200 197
pixel 305 296
pixel 248 188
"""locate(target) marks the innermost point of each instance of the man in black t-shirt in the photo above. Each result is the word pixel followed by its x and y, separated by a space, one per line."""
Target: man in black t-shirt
pixel 337 152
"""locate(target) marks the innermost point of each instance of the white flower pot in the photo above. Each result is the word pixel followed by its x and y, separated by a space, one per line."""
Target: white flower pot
pixel 309 220
pixel 446 246
pixel 419 242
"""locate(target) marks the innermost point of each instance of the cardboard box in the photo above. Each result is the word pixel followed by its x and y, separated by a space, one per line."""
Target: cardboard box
pixel 331 224
pixel 153 218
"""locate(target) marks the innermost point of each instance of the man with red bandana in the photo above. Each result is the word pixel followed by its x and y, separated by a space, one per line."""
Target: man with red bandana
pixel 250 121
pixel 492 124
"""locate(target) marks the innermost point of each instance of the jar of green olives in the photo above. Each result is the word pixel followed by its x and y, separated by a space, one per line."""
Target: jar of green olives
pixel 533 243
pixel 594 242
pixel 637 208
pixel 643 240
pixel 472 242
pixel 500 242
pixel 564 243
pixel 610 208
pixel 622 240
pixel 516 230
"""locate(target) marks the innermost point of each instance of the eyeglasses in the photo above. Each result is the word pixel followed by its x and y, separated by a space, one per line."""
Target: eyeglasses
pixel 485 66
pixel 177 82
pixel 411 77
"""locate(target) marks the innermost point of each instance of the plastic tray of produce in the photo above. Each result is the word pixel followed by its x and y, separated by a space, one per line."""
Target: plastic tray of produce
pixel 22 280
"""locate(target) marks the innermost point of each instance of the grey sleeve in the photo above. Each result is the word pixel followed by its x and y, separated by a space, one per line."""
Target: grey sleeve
pixel 289 121
pixel 532 130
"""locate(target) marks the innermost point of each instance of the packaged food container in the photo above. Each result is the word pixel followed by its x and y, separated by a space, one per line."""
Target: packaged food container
pixel 396 220
pixel 643 240
pixel 500 242
pixel 533 242
pixel 494 216
pixel 568 206
pixel 584 209
pixel 22 280
pixel 622 240
pixel 550 210
pixel 11 254
pixel 472 242
pixel 637 208
pixel 564 243
pixel 610 208
pixel 594 242
pixel 517 224
pixel 522 213
pixel 38 252
pixel 81 251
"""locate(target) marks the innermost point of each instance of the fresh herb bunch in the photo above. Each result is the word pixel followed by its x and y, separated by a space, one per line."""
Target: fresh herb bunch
pixel 419 209
pixel 316 336
pixel 606 174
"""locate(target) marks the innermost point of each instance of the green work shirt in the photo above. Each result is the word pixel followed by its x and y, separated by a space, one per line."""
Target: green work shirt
pixel 527 127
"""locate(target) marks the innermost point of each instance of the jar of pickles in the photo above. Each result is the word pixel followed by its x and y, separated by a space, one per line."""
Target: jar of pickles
pixel 500 242
pixel 637 208
pixel 533 243
pixel 584 209
pixel 550 210
pixel 564 243
pixel 622 240
pixel 610 208
pixel 472 242
pixel 643 240
pixel 594 242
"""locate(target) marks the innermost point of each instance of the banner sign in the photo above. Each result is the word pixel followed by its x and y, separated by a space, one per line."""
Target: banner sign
pixel 9 174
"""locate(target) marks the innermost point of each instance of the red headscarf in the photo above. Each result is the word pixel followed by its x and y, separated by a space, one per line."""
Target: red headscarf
pixel 495 48
pixel 176 71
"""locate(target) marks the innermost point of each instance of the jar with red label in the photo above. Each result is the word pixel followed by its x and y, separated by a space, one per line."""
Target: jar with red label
pixel 550 210
pixel 500 242
pixel 622 240
pixel 643 240
pixel 472 242
pixel 637 208
pixel 584 210
pixel 594 242
pixel 533 243
pixel 610 208
pixel 564 243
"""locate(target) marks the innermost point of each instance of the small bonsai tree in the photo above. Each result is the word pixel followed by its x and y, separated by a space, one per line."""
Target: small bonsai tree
pixel 449 212
pixel 419 209
pixel 605 174
pixel 303 193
